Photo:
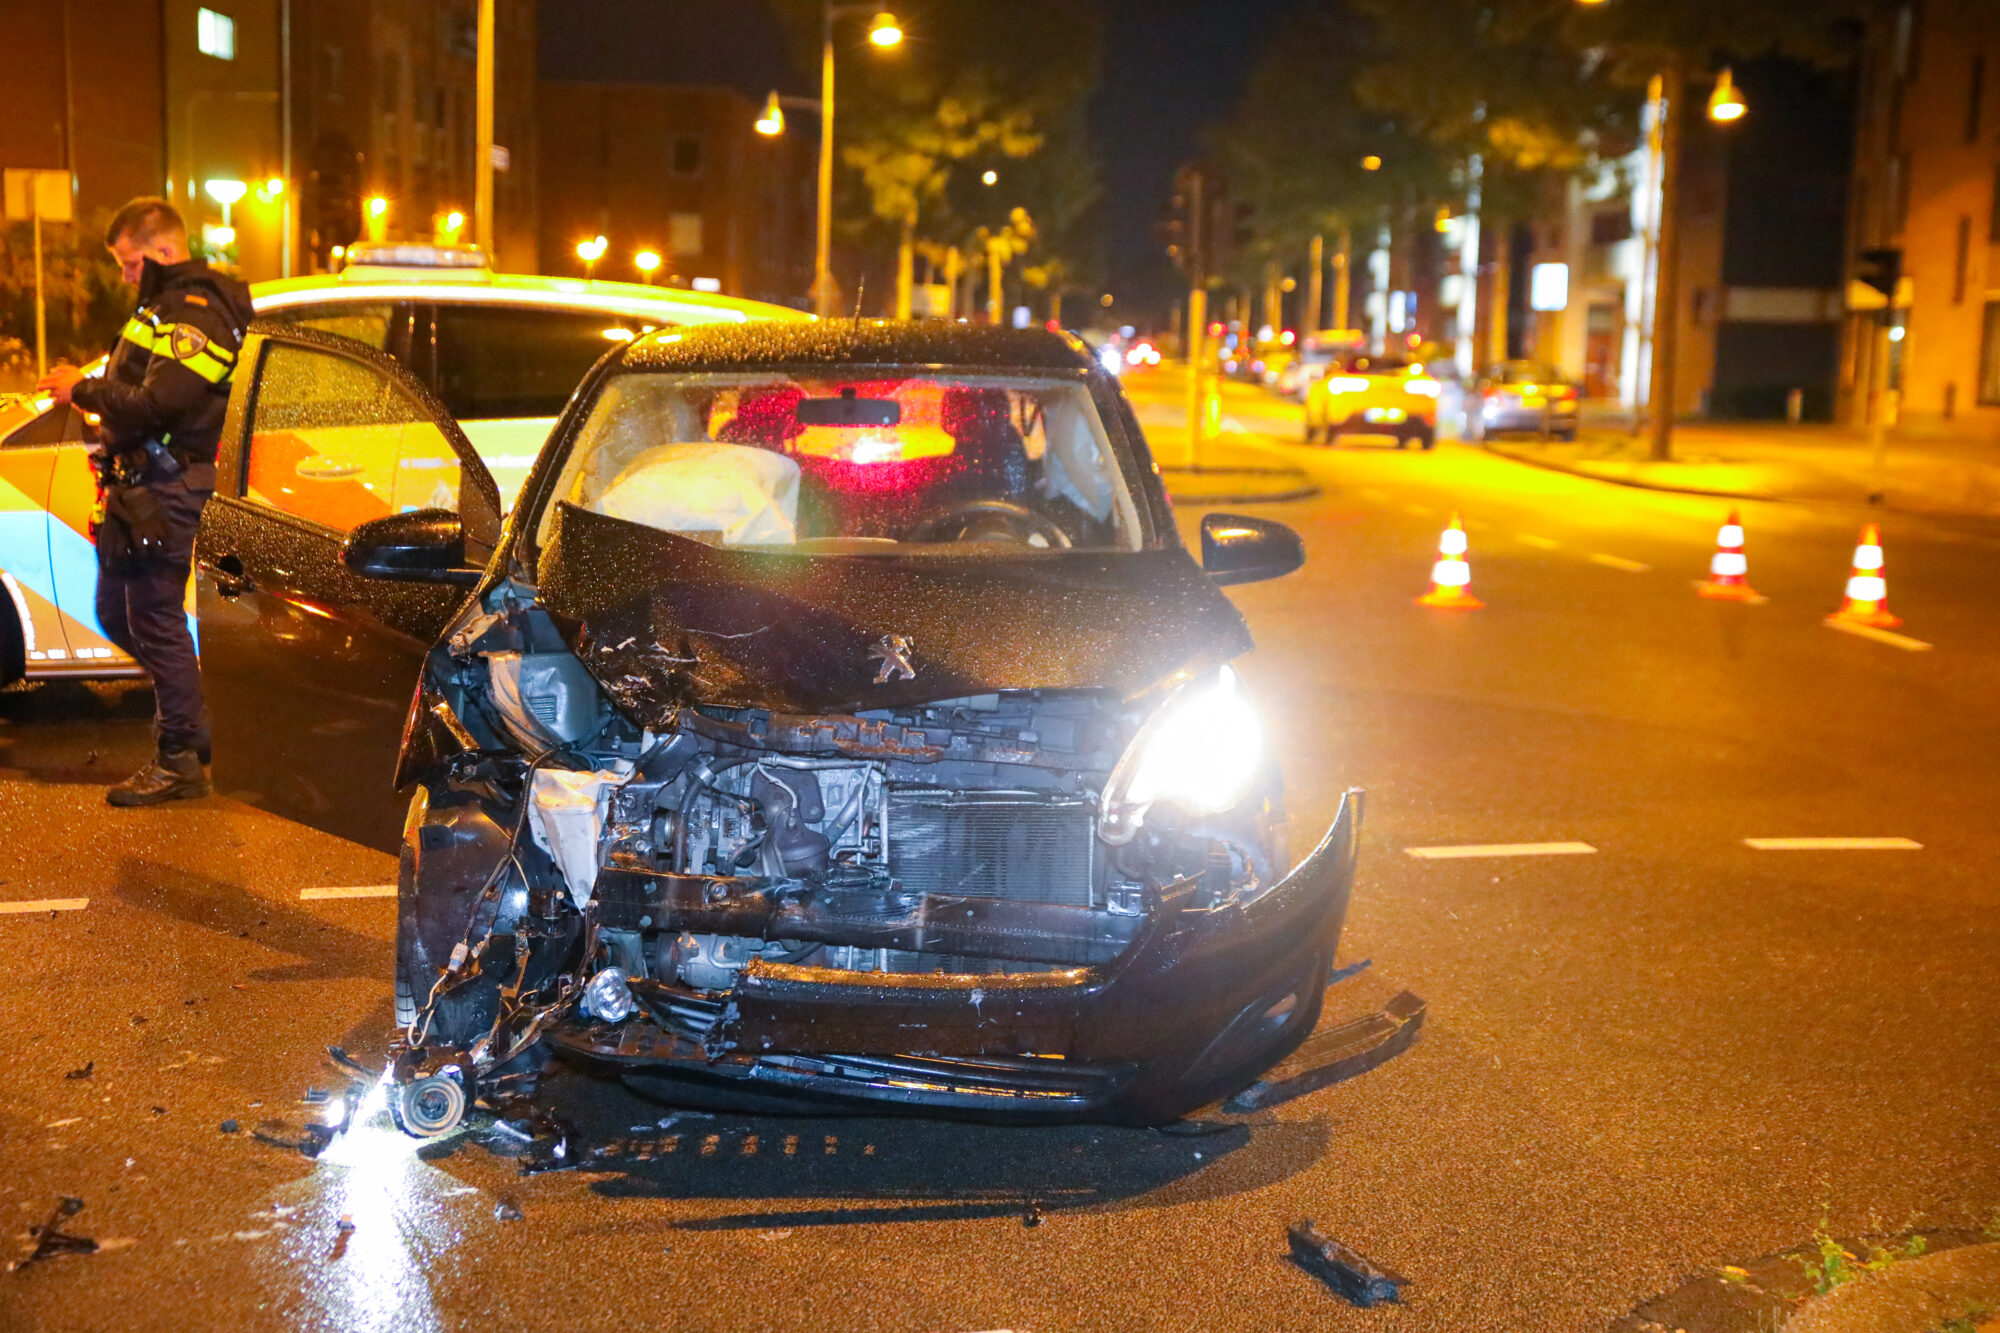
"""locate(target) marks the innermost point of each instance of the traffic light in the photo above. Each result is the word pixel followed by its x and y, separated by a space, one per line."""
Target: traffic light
pixel 1882 270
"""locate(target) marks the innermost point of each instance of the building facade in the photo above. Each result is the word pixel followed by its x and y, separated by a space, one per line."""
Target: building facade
pixel 1927 184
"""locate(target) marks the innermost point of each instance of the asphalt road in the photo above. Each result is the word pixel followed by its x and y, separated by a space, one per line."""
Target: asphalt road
pixel 1670 1052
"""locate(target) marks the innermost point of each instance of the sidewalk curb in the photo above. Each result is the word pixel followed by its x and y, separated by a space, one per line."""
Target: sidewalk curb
pixel 1910 1296
pixel 1634 483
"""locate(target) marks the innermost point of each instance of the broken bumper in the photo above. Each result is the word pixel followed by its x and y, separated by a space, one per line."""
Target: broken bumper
pixel 1197 1006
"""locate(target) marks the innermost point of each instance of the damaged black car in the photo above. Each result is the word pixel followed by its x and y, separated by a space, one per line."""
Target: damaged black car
pixel 837 723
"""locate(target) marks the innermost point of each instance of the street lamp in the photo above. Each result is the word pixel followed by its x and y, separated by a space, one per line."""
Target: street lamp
pixel 990 177
pixel 1726 102
pixel 884 32
pixel 647 262
pixel 1371 163
pixel 590 252
pixel 771 121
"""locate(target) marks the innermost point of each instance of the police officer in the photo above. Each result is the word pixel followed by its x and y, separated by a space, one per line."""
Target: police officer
pixel 160 403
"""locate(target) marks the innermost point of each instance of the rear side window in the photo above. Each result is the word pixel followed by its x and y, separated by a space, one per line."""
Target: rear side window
pixel 519 361
pixel 367 322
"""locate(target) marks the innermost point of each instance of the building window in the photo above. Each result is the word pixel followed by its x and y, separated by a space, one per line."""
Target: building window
pixel 1989 358
pixel 684 156
pixel 215 34
pixel 1962 262
pixel 684 234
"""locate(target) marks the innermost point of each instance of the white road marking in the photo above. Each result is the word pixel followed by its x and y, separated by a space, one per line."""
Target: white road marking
pixel 1418 510
pixel 1890 637
pixel 353 891
pixel 1500 849
pixel 45 905
pixel 1834 844
pixel 1539 543
pixel 1618 562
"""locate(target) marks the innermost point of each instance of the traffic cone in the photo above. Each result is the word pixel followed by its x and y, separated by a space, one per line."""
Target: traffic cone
pixel 1451 577
pixel 1867 600
pixel 1729 572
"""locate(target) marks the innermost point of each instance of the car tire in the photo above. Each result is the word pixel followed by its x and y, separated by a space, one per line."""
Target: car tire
pixel 1428 440
pixel 1312 432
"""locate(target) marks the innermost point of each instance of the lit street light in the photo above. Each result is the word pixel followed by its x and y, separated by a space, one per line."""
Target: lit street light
pixel 771 121
pixel 1726 102
pixel 647 262
pixel 590 252
pixel 990 177
pixel 884 32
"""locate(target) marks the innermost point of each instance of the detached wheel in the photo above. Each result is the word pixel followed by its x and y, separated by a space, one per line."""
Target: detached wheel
pixel 429 1107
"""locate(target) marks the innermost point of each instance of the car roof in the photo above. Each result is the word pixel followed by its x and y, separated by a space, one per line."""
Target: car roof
pixel 872 343
pixel 673 305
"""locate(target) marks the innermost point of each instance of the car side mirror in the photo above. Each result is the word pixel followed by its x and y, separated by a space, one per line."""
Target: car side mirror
pixel 1236 549
pixel 420 546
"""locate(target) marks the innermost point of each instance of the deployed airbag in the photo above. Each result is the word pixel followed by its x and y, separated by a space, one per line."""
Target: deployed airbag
pixel 742 495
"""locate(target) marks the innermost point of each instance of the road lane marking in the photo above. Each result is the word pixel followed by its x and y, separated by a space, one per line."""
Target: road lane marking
pixel 352 891
pixel 44 905
pixel 1373 496
pixel 1890 637
pixel 1619 562
pixel 1539 543
pixel 1834 844
pixel 1418 510
pixel 1500 849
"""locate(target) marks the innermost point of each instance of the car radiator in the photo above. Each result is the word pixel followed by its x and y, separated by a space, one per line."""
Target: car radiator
pixel 1025 846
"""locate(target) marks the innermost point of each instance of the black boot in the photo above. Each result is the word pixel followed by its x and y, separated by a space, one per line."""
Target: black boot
pixel 170 775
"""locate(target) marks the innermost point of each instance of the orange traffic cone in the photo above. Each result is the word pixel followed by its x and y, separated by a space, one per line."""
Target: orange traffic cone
pixel 1729 572
pixel 1867 600
pixel 1451 577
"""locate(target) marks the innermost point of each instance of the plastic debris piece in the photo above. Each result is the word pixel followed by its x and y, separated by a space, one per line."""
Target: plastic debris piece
pixel 346 1061
pixel 50 1242
pixel 316 1096
pixel 508 1211
pixel 230 1126
pixel 89 1068
pixel 608 998
pixel 1349 1273
pixel 346 1222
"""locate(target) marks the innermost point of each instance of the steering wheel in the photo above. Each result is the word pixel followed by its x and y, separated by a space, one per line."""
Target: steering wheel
pixel 987 520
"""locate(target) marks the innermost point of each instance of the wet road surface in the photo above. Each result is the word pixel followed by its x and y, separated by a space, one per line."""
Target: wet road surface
pixel 1670 1051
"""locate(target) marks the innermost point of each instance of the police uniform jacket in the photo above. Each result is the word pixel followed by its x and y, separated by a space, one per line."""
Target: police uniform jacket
pixel 168 375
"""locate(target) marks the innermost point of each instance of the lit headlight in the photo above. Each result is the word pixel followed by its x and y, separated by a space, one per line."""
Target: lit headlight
pixel 1109 357
pixel 1427 387
pixel 1200 751
pixel 1346 384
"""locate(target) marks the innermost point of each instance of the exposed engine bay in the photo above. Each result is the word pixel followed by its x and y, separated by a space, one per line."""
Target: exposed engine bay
pixel 567 867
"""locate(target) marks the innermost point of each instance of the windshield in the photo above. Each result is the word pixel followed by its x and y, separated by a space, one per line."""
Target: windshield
pixel 914 463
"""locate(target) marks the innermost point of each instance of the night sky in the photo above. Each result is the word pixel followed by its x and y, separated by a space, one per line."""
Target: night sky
pixel 1172 67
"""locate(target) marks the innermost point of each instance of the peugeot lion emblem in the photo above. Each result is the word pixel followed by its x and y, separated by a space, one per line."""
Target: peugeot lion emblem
pixel 892 658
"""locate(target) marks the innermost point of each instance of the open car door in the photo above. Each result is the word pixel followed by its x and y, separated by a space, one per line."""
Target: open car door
pixel 309 667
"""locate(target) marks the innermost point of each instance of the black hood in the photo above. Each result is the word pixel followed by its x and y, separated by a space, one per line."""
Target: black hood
pixel 662 620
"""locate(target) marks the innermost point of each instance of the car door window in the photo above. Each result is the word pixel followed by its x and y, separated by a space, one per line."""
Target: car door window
pixel 336 441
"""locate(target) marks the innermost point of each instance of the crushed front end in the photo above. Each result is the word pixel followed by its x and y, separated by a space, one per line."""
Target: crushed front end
pixel 1030 904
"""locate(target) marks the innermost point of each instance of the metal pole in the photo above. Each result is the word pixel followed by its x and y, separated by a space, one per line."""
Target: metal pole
pixel 41 307
pixel 482 130
pixel 285 137
pixel 1342 286
pixel 995 298
pixel 1649 265
pixel 1878 403
pixel 1315 293
pixel 823 239
pixel 1667 301
pixel 1197 322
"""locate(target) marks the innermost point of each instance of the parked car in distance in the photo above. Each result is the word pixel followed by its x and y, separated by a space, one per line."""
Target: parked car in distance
pixel 1517 396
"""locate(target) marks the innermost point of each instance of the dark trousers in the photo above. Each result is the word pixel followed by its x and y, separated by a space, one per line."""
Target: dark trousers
pixel 141 605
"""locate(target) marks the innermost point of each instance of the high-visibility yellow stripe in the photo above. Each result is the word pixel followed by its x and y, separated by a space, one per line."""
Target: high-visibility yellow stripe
pixel 210 368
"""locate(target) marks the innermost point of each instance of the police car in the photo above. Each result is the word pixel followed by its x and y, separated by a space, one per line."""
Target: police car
pixel 501 352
